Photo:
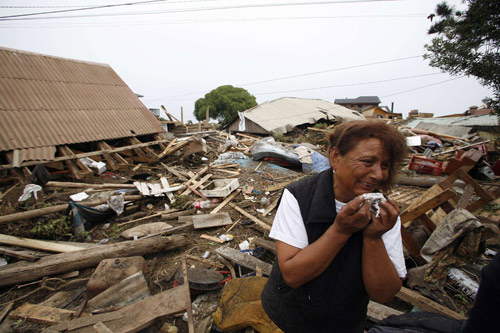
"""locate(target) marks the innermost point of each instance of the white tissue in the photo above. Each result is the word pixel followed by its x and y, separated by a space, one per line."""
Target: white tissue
pixel 375 199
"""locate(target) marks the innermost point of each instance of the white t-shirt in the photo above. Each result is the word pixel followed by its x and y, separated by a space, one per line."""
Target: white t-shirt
pixel 288 227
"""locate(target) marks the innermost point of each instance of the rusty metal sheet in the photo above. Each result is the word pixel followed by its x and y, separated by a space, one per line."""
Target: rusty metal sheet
pixel 49 101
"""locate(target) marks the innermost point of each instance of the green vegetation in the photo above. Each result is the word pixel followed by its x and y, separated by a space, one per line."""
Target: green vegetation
pixel 468 42
pixel 54 229
pixel 224 103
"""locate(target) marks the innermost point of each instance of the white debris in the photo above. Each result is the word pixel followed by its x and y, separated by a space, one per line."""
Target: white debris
pixel 30 189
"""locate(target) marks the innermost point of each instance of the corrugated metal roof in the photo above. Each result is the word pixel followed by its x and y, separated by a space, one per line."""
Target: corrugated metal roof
pixel 37 154
pixel 467 121
pixel 359 100
pixel 49 101
pixel 277 115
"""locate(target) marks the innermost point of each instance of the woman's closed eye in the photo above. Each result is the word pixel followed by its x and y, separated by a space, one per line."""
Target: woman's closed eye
pixel 369 163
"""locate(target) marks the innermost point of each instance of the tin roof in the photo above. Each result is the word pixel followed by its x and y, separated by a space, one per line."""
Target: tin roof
pixel 47 101
pixel 287 112
pixel 467 121
pixel 358 100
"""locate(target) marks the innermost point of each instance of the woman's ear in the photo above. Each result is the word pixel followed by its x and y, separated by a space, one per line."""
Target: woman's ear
pixel 333 156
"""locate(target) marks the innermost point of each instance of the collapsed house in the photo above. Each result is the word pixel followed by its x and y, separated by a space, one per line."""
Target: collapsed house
pixel 52 107
pixel 283 114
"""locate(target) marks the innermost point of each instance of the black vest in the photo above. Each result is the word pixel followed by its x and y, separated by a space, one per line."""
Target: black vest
pixel 336 300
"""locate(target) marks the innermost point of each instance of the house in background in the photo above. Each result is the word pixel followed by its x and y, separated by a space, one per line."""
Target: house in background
pixel 416 114
pixel 380 112
pixel 283 114
pixel 358 103
pixel 478 111
pixel 48 103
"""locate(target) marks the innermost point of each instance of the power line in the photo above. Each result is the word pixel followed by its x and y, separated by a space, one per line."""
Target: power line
pixel 219 20
pixel 79 9
pixel 421 87
pixel 295 76
pixel 350 84
pixel 84 6
pixel 307 3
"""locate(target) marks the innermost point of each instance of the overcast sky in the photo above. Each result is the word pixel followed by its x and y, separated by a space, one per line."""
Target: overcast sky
pixel 173 52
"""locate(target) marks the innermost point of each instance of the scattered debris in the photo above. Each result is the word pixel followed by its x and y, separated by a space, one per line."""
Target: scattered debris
pixel 206 200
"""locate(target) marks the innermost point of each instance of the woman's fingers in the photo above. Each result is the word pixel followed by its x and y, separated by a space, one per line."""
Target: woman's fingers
pixel 354 216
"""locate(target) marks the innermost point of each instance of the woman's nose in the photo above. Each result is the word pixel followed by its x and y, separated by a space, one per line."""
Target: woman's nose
pixel 378 172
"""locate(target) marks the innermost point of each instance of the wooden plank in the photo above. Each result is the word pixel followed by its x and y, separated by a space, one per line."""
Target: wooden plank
pixel 85 321
pixel 377 312
pixel 88 185
pixel 211 220
pixel 278 186
pixel 411 214
pixel 166 186
pixel 261 224
pixel 17 254
pixel 5 310
pixel 89 154
pixel 110 161
pixel 212 239
pixel 122 163
pixel 71 165
pixel 61 299
pixel 84 169
pixel 151 154
pixel 101 328
pixel 189 309
pixel 464 199
pixel 487 197
pixel 267 244
pixel 84 258
pixel 412 246
pixel 175 172
pixel 178 145
pixel 271 207
pixel 225 202
pixel 128 291
pixel 243 259
pixel 37 244
pixel 203 260
pixel 427 222
pixel 41 314
pixel 193 187
pixel 425 304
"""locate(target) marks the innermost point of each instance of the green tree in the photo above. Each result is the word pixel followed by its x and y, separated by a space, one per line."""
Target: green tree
pixel 224 102
pixel 467 43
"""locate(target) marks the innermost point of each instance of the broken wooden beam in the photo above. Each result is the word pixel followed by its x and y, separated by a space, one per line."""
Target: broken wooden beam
pixel 37 244
pixel 243 259
pixel 65 262
pixel 87 185
pixel 377 312
pixel 261 224
pixel 89 154
pixel 41 314
pixel 425 304
pixel 17 254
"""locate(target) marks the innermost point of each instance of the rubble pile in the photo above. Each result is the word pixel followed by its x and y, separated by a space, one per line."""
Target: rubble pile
pixel 108 241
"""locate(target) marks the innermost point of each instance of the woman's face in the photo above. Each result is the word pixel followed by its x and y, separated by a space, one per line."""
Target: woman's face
pixel 361 170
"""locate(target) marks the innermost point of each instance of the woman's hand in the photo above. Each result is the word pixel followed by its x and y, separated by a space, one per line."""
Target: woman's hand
pixel 389 212
pixel 354 216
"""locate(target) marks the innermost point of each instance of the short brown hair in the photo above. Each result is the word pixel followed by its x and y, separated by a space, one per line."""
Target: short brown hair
pixel 346 136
